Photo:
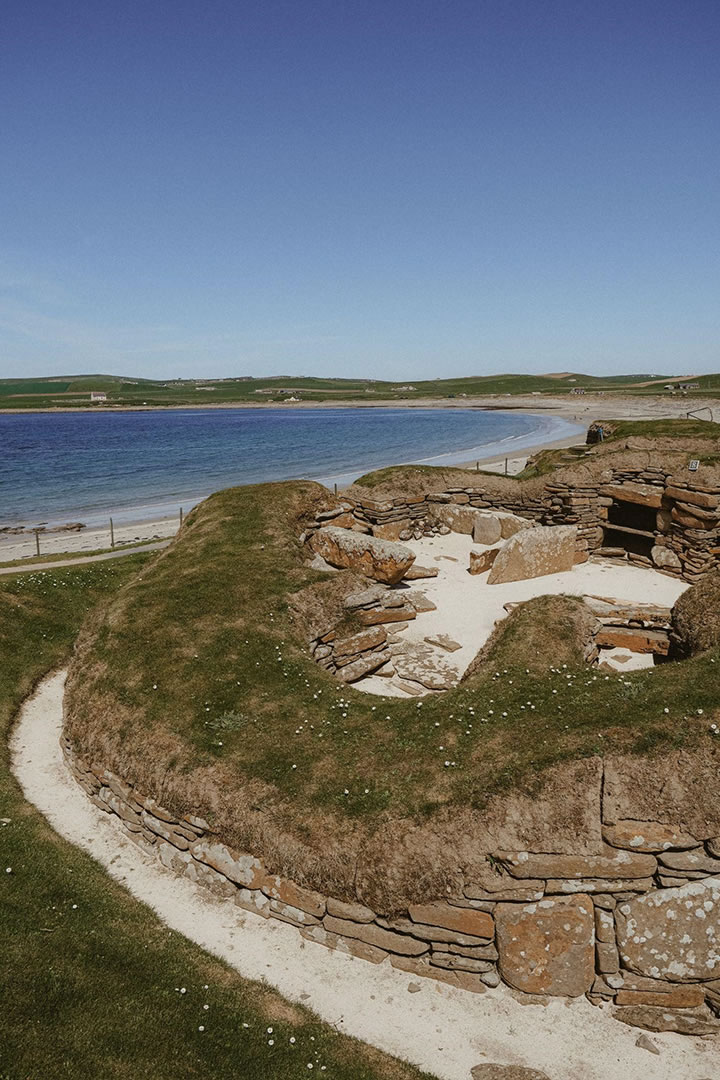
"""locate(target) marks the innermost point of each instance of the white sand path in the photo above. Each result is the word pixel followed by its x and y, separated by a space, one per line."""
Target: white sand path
pixel 443 1030
pixel 468 608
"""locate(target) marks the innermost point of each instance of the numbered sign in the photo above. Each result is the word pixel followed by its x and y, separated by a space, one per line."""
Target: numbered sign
pixel 693 466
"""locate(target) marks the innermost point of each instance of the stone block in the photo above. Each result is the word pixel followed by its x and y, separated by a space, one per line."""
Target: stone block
pixel 391 529
pixel 349 946
pixel 415 573
pixel 674 933
pixel 463 980
pixel 684 1023
pixel 361 642
pixel 646 836
pixel 640 494
pixel 567 886
pixel 296 896
pixel 480 561
pixel 466 921
pixel 242 869
pixel 382 560
pixel 456 962
pixel 350 910
pixel 694 861
pixel 547 947
pixel 486 529
pixel 614 864
pixel 376 935
pixel 535 553
pixel 636 640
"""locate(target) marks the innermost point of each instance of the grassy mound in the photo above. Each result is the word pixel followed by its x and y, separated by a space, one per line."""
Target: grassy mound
pixel 196 684
pixel 95 982
pixel 696 616
pixel 542 633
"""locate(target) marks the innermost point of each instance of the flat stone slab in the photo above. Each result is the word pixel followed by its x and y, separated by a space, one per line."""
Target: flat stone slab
pixel 673 934
pixel 421 663
pixel 547 947
pixel 534 553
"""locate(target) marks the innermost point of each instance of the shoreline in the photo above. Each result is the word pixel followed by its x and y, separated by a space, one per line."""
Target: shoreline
pixel 624 406
pixel 158 526
pixel 21 546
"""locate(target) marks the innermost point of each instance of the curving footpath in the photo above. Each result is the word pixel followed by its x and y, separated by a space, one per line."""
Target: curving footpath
pixel 58 564
pixel 439 1028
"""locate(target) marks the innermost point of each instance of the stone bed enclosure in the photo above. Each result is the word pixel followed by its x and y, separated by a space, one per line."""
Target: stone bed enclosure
pixel 646 515
pixel 634 923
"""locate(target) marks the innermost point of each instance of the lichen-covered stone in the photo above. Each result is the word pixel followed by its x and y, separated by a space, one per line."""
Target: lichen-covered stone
pixel 651 1019
pixel 535 553
pixel 376 935
pixel 673 934
pixel 466 921
pixel 382 560
pixel 614 864
pixel 647 836
pixel 242 869
pixel 547 947
pixel 480 561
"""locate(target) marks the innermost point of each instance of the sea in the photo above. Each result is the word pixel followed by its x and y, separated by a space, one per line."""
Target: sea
pixel 140 466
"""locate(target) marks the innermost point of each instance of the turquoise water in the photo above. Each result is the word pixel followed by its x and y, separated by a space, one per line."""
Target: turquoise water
pixel 59 467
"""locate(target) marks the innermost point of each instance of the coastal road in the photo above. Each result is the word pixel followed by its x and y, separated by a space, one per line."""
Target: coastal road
pixel 59 563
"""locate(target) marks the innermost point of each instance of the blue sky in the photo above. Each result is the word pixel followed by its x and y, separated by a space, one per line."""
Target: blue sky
pixel 381 189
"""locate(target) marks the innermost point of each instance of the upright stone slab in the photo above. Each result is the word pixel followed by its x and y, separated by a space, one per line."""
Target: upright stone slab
pixel 534 553
pixel 673 934
pixel 382 560
pixel 547 947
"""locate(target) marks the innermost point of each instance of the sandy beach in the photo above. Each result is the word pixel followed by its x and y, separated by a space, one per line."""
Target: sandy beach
pixel 580 409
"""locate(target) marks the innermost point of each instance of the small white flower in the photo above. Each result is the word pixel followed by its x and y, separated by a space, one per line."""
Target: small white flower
pixel 201 1028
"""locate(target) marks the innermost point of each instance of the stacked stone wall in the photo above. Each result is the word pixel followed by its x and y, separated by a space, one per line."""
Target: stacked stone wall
pixel 637 925
pixel 686 538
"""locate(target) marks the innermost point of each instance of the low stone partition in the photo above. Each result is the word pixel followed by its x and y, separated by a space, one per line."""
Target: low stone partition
pixel 636 925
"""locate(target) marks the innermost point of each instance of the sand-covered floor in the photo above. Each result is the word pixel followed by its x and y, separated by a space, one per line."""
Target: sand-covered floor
pixel 468 608
pixel 441 1029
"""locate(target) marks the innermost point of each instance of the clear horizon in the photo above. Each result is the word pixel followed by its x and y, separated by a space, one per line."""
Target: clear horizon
pixel 388 191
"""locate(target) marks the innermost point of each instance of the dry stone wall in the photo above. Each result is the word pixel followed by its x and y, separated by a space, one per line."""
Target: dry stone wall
pixel 637 925
pixel 683 538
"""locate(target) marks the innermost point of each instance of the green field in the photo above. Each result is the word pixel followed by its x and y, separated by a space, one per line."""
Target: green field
pixel 90 977
pixel 73 391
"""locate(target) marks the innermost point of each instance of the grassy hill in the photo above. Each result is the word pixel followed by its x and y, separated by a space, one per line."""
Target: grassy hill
pixel 73 391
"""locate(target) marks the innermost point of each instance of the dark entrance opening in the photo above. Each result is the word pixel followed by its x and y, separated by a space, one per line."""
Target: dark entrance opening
pixel 631 527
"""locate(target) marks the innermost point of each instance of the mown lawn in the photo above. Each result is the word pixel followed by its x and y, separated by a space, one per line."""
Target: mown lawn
pixel 90 980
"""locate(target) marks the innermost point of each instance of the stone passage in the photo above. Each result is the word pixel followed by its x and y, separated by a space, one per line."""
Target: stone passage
pixel 636 924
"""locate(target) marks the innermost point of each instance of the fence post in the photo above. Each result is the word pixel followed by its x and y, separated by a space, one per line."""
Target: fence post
pixel 506 461
pixel 335 486
pixel 37 540
pixel 181 517
pixel 112 534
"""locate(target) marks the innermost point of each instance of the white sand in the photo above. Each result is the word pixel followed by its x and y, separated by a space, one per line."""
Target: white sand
pixel 468 608
pixel 441 1029
pixel 94 538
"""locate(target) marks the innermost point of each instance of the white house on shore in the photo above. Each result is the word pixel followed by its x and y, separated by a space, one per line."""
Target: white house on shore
pixel 96 396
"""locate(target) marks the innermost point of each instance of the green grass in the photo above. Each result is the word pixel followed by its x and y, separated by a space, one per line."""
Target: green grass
pixel 64 556
pixel 91 978
pixel 657 429
pixel 206 634
pixel 74 390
